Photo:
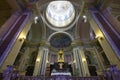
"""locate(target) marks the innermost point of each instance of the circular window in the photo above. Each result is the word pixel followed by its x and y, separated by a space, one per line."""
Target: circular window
pixel 60 13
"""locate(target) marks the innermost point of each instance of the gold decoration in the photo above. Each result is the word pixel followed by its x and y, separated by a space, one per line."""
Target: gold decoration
pixel 60 56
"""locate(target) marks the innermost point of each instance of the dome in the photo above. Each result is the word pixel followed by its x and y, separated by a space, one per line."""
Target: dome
pixel 60 13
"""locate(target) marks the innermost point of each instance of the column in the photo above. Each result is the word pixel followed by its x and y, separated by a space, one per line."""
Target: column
pixel 98 60
pixel 101 65
pixel 106 36
pixel 77 63
pixel 24 60
pixel 38 63
pixel 83 62
pixel 45 58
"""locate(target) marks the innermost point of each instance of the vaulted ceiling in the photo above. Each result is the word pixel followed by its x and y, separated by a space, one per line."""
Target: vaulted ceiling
pixel 7 7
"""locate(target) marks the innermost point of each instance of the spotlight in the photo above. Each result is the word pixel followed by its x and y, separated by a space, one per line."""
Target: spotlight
pixel 21 39
pixel 99 37
pixel 85 18
pixel 36 19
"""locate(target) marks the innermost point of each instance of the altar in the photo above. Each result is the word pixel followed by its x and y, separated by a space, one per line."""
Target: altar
pixel 66 69
pixel 61 73
pixel 60 67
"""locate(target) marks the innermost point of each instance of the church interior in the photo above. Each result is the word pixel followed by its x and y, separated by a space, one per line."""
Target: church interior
pixel 60 39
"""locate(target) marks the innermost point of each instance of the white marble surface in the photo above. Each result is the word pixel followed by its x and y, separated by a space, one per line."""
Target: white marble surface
pixel 61 73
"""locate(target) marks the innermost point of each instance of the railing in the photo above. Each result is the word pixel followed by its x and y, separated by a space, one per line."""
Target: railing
pixel 112 73
pixel 54 78
pixel 11 74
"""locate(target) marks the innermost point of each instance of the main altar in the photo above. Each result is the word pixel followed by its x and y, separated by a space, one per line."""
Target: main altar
pixel 60 67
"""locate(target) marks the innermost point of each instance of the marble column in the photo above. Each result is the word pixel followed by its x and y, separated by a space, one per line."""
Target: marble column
pixel 109 44
pixel 38 64
pixel 45 59
pixel 83 62
pixel 24 60
pixel 101 65
pixel 80 62
pixel 77 63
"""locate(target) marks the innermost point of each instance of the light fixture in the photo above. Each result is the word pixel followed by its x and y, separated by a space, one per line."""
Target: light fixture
pixel 36 19
pixel 47 61
pixel 85 18
pixel 21 39
pixel 83 59
pixel 99 36
pixel 38 60
pixel 74 61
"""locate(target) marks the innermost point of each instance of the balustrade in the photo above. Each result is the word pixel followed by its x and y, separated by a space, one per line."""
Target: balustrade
pixel 12 74
pixel 112 73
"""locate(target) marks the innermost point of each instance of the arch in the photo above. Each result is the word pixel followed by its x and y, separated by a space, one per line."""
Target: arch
pixel 60 40
pixel 60 32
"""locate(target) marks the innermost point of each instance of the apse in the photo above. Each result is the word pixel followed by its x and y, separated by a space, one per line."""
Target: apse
pixel 60 40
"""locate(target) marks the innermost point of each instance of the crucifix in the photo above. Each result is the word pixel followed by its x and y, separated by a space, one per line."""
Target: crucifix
pixel 61 65
pixel 60 56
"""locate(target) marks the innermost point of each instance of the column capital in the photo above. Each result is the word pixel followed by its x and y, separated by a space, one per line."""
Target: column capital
pixel 76 43
pixel 45 44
